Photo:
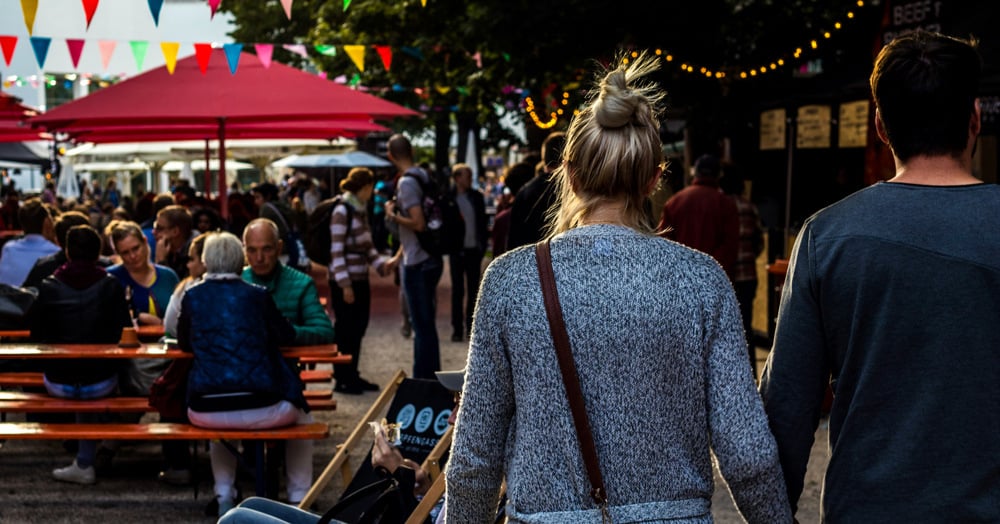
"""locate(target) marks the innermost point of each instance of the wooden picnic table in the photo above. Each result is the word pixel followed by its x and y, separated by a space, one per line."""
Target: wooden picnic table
pixel 29 350
pixel 147 333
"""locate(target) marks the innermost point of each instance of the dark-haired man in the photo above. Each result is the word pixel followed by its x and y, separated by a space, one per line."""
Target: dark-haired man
pixel 529 214
pixel 891 297
pixel 46 265
pixel 20 254
pixel 174 231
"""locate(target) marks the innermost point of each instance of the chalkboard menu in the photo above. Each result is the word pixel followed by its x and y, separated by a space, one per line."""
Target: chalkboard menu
pixel 853 128
pixel 813 130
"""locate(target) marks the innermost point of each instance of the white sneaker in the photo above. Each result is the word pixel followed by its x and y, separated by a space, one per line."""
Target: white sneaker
pixel 75 474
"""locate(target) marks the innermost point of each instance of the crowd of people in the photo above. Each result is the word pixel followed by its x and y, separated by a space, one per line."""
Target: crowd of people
pixel 655 304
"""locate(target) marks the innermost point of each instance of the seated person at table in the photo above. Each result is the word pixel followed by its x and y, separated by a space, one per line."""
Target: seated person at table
pixel 80 303
pixel 238 378
pixel 293 291
pixel 19 254
pixel 147 285
pixel 47 265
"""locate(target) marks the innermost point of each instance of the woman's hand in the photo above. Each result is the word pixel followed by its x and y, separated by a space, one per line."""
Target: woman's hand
pixel 348 295
pixel 421 480
pixel 147 319
pixel 385 455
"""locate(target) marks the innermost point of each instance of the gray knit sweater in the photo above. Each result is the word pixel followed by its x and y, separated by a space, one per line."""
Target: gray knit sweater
pixel 656 335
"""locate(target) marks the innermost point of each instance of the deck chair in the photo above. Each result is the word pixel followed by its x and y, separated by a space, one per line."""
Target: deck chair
pixel 422 407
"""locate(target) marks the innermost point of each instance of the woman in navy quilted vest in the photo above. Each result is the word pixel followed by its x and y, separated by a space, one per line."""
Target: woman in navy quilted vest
pixel 239 380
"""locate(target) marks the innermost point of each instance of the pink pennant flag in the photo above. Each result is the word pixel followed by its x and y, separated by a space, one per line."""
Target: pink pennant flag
pixel 89 7
pixel 214 4
pixel 287 4
pixel 107 49
pixel 478 57
pixel 385 53
pixel 203 52
pixel 8 44
pixel 298 49
pixel 264 52
pixel 75 46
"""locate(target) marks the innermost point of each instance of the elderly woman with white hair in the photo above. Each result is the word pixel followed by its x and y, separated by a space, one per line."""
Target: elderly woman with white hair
pixel 239 379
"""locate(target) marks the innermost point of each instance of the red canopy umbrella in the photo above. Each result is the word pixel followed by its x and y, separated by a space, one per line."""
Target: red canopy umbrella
pixel 323 129
pixel 218 99
pixel 13 121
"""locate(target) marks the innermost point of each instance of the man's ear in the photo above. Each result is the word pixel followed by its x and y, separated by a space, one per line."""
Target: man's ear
pixel 880 127
pixel 975 121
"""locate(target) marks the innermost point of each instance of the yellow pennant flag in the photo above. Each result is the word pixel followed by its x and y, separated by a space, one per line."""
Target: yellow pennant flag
pixel 357 54
pixel 423 3
pixel 442 89
pixel 29 8
pixel 170 54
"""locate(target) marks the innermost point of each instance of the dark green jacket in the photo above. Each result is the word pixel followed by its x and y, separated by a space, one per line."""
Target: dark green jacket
pixel 295 294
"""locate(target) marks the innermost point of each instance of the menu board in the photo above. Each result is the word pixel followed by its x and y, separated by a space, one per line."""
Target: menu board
pixel 853 124
pixel 813 130
pixel 772 129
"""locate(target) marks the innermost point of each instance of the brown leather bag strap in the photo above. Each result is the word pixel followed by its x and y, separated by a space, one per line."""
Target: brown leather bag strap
pixel 560 338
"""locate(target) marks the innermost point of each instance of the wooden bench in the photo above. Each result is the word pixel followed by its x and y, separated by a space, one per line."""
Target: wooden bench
pixel 20 402
pixel 265 475
pixel 26 379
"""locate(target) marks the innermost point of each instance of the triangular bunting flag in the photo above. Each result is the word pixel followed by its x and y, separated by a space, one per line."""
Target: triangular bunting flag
pixel 8 44
pixel 414 52
pixel 423 3
pixel 287 4
pixel 28 9
pixel 41 47
pixel 478 57
pixel 442 89
pixel 214 4
pixel 203 52
pixel 346 4
pixel 154 9
pixel 233 56
pixel 139 52
pixel 357 54
pixel 107 47
pixel 75 46
pixel 264 52
pixel 170 54
pixel 89 6
pixel 326 50
pixel 385 53
pixel 298 49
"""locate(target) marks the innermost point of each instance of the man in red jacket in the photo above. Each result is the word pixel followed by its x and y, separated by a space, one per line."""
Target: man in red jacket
pixel 702 217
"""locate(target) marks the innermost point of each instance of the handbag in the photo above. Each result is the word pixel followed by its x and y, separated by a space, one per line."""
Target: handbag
pixel 386 508
pixel 560 338
pixel 168 394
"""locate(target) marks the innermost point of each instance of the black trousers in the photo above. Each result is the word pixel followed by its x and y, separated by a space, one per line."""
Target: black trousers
pixel 465 267
pixel 349 325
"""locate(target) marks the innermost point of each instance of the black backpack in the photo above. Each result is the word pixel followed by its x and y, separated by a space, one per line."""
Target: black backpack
pixel 443 220
pixel 318 229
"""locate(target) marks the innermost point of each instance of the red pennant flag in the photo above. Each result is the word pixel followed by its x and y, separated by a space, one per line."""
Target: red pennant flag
pixel 384 52
pixel 203 52
pixel 89 6
pixel 75 46
pixel 8 43
pixel 214 4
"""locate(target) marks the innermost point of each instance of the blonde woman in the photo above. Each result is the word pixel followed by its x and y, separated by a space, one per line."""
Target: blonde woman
pixel 147 285
pixel 655 333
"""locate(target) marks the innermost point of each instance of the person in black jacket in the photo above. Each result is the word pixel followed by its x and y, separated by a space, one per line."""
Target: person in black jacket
pixel 528 216
pixel 46 265
pixel 80 303
pixel 466 257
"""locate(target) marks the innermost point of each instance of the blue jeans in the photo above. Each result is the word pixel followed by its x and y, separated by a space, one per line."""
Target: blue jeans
pixel 87 449
pixel 420 285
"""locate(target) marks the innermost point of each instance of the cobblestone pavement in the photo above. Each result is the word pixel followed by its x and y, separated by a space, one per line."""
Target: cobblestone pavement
pixel 131 492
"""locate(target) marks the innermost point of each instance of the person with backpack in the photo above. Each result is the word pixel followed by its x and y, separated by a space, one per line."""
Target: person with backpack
pixel 352 252
pixel 421 268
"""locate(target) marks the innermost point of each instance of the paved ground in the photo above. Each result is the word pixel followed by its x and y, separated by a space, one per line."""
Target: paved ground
pixel 131 493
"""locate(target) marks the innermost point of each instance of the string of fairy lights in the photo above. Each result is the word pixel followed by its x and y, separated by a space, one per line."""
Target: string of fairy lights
pixel 719 73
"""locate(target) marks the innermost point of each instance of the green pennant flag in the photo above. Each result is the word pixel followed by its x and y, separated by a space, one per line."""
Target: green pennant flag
pixel 326 50
pixel 139 52
pixel 346 3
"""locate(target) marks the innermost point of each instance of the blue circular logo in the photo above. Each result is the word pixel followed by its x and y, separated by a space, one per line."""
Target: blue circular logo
pixel 424 419
pixel 441 422
pixel 405 416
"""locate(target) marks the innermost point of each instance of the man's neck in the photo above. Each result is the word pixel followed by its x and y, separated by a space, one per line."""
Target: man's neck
pixel 935 171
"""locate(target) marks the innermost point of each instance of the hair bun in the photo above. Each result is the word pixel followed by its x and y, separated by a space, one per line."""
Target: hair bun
pixel 617 103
